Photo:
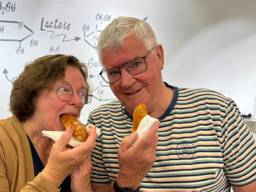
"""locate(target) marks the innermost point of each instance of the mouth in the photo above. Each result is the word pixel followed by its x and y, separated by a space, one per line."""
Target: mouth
pixel 73 114
pixel 132 93
pixel 76 115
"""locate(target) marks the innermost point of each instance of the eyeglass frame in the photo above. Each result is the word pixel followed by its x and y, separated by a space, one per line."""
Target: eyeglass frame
pixel 84 98
pixel 144 58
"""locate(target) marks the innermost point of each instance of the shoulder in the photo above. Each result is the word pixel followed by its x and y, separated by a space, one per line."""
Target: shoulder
pixel 108 108
pixel 202 94
pixel 11 130
pixel 109 114
pixel 9 125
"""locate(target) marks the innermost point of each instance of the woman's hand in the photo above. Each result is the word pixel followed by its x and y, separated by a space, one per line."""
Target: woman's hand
pixel 63 160
pixel 81 176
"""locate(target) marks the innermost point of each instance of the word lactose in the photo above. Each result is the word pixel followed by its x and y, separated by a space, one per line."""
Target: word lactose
pixel 54 24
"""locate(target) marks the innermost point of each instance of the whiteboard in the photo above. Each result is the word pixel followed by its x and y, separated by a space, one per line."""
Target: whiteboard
pixel 205 44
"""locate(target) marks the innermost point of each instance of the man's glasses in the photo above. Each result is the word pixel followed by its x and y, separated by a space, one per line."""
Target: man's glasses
pixel 65 93
pixel 134 67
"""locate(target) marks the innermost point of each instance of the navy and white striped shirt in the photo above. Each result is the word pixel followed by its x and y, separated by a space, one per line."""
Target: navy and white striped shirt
pixel 203 144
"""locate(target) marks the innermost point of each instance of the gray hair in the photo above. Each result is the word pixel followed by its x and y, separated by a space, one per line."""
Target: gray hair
pixel 113 35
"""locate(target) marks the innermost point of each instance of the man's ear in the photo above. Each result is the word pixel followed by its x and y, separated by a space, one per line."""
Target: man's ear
pixel 160 54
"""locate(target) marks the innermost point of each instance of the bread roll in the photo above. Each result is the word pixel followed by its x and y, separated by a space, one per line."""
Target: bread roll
pixel 69 121
pixel 139 113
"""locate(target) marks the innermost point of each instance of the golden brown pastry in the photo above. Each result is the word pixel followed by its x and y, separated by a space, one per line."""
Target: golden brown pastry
pixel 72 122
pixel 139 113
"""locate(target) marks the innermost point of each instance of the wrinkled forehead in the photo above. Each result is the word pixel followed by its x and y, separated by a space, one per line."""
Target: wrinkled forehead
pixel 119 57
pixel 131 47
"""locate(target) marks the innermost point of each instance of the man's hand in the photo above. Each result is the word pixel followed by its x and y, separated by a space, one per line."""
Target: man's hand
pixel 136 157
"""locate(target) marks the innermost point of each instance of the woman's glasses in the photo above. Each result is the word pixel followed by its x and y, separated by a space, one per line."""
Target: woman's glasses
pixel 65 93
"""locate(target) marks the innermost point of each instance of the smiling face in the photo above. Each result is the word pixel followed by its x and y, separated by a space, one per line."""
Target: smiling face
pixel 49 107
pixel 145 87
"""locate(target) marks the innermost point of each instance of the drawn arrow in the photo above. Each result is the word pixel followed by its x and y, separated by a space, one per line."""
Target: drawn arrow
pixel 64 39
pixel 5 72
pixel 91 39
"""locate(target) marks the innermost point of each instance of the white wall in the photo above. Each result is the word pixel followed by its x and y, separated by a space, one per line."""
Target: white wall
pixel 207 43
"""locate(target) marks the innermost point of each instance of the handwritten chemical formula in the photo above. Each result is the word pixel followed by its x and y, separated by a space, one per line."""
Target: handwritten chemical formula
pixel 52 35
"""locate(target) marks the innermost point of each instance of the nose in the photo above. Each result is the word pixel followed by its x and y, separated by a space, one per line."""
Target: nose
pixel 76 99
pixel 126 79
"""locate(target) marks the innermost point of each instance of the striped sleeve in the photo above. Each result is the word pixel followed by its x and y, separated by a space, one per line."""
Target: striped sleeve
pixel 239 148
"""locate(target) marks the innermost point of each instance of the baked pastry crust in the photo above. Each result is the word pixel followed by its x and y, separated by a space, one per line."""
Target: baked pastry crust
pixel 139 113
pixel 69 121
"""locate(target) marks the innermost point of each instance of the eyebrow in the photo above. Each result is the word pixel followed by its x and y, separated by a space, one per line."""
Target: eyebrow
pixel 60 83
pixel 65 83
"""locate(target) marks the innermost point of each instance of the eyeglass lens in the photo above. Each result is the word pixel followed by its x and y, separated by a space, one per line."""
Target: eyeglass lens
pixel 65 93
pixel 134 67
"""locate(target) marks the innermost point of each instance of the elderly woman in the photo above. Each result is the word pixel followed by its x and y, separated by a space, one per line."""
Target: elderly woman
pixel 49 87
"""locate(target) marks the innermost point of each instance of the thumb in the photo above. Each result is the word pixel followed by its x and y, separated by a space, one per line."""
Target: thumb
pixel 62 142
pixel 152 132
pixel 155 126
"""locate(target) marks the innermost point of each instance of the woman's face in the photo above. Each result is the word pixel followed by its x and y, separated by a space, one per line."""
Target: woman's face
pixel 52 103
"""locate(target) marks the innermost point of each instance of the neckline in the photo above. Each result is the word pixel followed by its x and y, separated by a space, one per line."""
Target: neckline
pixel 170 107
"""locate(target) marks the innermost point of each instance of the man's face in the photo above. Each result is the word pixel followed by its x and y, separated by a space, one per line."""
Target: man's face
pixel 132 90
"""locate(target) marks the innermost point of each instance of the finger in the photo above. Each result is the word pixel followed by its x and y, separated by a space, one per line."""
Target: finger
pixel 128 141
pixel 92 137
pixel 153 130
pixel 62 142
pixel 149 139
pixel 89 127
pixel 87 146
